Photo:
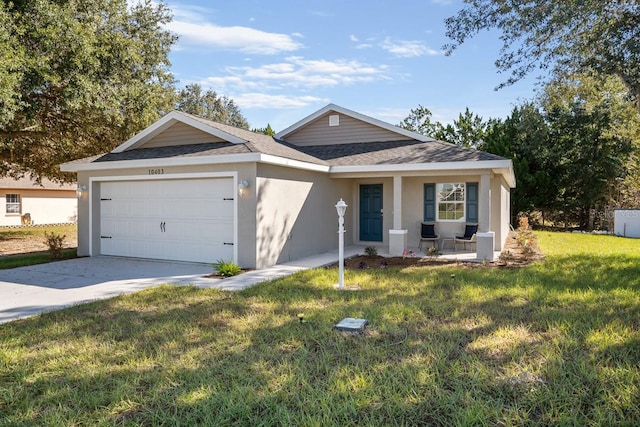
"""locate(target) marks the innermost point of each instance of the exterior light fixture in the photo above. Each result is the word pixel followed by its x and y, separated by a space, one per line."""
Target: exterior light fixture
pixel 80 190
pixel 341 208
pixel 242 186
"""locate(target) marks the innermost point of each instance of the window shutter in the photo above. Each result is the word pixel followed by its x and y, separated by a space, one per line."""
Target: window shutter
pixel 429 202
pixel 472 202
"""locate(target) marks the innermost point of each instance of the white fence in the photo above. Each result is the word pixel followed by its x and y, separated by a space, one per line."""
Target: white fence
pixel 627 222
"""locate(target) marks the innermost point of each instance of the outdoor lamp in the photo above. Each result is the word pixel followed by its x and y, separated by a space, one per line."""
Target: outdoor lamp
pixel 81 189
pixel 341 207
pixel 242 186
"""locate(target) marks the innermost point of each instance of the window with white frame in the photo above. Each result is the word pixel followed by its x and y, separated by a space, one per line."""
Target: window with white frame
pixel 13 203
pixel 451 201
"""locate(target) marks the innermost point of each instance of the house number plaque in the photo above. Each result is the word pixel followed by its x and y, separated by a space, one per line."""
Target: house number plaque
pixel 156 171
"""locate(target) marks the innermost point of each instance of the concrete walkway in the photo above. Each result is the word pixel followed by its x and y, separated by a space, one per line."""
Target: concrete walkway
pixel 27 291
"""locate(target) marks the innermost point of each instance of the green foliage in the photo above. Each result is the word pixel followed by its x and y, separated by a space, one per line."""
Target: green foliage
pixel 55 244
pixel 77 78
pixel 227 268
pixel 267 131
pixel 209 105
pixel 467 131
pixel 552 343
pixel 569 35
pixel 371 251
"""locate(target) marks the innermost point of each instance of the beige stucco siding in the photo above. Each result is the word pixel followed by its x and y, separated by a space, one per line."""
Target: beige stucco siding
pixel 246 214
pixel 295 212
pixel 180 134
pixel 349 130
pixel 44 206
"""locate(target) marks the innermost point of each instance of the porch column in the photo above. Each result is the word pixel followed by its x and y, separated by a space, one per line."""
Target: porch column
pixel 484 203
pixel 397 236
pixel 484 237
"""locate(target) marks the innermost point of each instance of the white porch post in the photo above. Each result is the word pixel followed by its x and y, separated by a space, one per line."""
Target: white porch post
pixel 484 203
pixel 485 237
pixel 397 236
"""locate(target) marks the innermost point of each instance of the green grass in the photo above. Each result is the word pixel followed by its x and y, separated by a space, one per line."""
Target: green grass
pixel 555 343
pixel 9 234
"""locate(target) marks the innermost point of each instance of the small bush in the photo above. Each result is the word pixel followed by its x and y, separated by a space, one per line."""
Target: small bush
pixel 55 243
pixel 227 268
pixel 433 252
pixel 371 251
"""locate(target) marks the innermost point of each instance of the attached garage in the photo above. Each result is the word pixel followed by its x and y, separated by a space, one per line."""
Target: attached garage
pixel 172 219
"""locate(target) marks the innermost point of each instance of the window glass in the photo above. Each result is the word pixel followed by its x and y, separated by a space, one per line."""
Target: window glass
pixel 451 201
pixel 13 203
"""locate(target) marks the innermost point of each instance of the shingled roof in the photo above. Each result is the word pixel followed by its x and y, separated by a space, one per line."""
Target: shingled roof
pixel 246 142
pixel 395 152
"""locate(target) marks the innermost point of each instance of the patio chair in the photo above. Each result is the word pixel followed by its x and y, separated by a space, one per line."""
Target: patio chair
pixel 469 236
pixel 428 234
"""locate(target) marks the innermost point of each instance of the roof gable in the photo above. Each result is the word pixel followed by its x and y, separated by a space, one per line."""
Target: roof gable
pixel 153 134
pixel 337 125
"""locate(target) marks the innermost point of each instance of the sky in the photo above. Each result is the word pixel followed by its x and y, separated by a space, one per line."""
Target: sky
pixel 283 60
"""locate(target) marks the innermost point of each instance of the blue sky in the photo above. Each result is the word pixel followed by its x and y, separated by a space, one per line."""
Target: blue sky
pixel 282 60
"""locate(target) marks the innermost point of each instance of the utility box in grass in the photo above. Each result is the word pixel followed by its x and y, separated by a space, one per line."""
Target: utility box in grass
pixel 626 222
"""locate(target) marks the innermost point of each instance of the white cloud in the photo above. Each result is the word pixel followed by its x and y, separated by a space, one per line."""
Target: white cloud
pixel 297 72
pixel 242 39
pixel 408 48
pixel 353 38
pixel 263 100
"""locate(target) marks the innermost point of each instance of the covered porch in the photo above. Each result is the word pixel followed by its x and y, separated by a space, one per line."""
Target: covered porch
pixel 388 209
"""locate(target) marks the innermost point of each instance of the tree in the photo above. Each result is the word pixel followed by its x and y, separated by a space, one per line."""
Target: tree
pixel 207 104
pixel 570 35
pixel 467 131
pixel 522 137
pixel 78 77
pixel 267 131
pixel 419 120
pixel 592 94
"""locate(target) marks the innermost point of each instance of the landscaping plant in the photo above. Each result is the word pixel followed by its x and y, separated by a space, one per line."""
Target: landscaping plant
pixel 227 268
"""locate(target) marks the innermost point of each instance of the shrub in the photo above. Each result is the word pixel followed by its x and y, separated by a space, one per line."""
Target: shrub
pixel 55 243
pixel 371 251
pixel 433 252
pixel 227 268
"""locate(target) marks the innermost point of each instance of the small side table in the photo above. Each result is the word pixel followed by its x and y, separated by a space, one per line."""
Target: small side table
pixel 446 240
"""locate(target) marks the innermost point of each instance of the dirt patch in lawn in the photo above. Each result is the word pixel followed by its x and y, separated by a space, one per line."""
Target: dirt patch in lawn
pixel 513 255
pixel 20 241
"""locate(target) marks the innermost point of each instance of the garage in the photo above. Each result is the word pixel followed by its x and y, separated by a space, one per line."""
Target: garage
pixel 170 219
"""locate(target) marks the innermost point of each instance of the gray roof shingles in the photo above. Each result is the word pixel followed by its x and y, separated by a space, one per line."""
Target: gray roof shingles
pixel 356 154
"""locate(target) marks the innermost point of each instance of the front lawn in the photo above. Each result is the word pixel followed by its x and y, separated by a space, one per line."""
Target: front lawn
pixel 557 342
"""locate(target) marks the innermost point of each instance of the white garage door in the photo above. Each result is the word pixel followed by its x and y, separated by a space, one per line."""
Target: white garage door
pixel 182 220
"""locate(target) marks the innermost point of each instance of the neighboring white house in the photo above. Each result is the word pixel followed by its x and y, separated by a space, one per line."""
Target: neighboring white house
pixel 626 222
pixel 191 189
pixel 45 203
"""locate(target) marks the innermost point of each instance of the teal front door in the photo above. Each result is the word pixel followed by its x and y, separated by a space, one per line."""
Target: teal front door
pixel 371 213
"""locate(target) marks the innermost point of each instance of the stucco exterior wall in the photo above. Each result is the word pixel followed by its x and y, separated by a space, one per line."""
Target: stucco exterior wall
pixel 296 215
pixel 44 206
pixel 89 228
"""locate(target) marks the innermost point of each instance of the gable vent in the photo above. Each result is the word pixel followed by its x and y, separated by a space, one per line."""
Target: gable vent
pixel 334 120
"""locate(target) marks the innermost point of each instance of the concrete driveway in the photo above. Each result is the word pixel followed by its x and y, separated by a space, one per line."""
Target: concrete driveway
pixel 26 291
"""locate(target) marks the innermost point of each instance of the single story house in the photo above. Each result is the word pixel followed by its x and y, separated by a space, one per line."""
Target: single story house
pixel 191 189
pixel 27 202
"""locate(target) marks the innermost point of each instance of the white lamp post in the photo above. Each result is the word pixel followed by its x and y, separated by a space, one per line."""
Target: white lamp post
pixel 341 207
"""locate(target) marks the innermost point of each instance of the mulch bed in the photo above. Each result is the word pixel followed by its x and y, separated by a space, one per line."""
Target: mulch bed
pixel 513 255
